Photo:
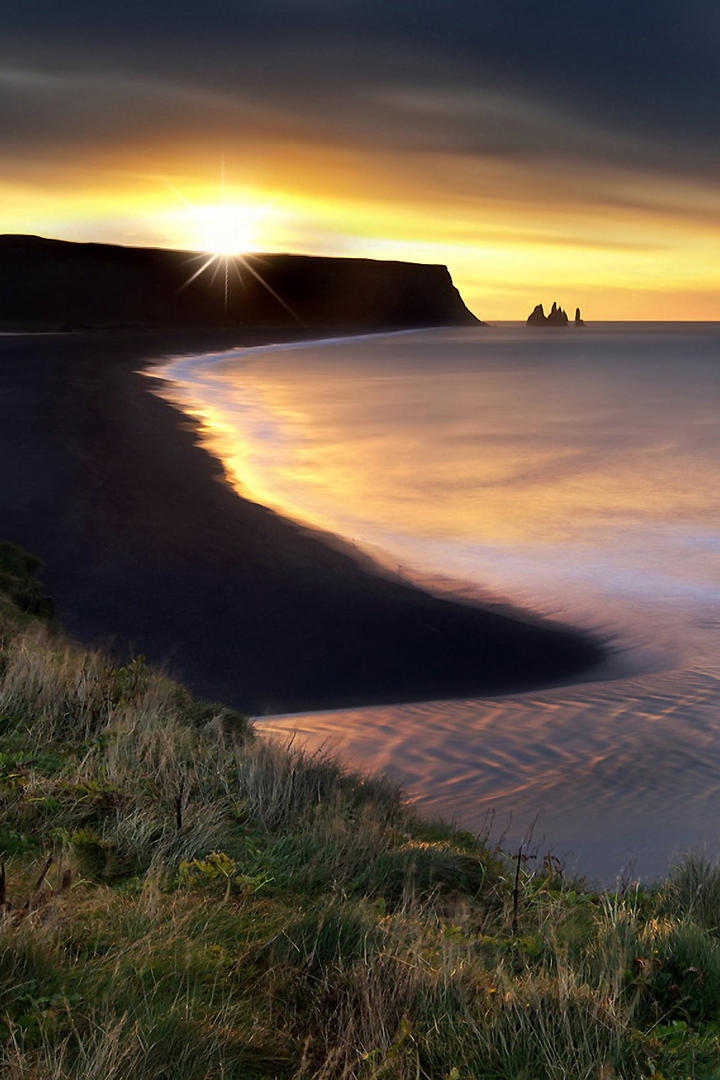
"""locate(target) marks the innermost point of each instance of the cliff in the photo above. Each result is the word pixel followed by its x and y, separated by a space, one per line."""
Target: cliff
pixel 54 284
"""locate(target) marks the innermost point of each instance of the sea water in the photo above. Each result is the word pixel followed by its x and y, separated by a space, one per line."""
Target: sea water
pixel 572 471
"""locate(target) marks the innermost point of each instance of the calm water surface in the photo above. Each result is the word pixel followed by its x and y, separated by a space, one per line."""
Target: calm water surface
pixel 576 472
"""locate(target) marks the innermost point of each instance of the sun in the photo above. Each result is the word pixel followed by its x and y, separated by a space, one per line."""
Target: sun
pixel 230 225
pixel 223 234
pixel 225 228
pixel 225 237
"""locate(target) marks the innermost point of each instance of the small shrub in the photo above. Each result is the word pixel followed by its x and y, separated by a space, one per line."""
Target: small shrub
pixel 201 714
pixel 325 939
pixel 13 842
pixel 419 870
pixel 128 682
pixel 97 857
pixel 692 891
pixel 678 970
pixel 18 582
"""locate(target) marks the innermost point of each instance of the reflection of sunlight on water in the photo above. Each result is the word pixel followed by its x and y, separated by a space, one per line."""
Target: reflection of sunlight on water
pixel 575 473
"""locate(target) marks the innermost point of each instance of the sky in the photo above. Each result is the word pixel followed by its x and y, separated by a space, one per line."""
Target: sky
pixel 559 151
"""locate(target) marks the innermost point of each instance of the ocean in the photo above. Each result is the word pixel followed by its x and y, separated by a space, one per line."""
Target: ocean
pixel 573 472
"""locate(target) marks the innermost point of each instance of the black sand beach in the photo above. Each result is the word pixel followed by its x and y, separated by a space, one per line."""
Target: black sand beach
pixel 149 550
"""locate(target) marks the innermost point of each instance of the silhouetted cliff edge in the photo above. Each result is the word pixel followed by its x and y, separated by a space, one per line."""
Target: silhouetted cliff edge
pixel 55 284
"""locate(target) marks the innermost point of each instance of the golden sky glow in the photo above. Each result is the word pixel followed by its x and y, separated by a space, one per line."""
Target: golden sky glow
pixel 620 243
pixel 559 151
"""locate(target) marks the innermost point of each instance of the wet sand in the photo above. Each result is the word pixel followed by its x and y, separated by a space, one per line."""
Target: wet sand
pixel 148 549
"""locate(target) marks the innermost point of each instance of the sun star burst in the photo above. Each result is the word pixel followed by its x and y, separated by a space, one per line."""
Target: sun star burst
pixel 225 234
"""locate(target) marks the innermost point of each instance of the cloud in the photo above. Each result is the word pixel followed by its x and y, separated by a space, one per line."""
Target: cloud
pixel 600 78
pixel 607 106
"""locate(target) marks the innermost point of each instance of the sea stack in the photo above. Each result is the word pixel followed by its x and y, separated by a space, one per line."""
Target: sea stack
pixel 556 317
pixel 537 316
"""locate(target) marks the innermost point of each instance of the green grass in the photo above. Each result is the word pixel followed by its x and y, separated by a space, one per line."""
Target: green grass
pixel 221 906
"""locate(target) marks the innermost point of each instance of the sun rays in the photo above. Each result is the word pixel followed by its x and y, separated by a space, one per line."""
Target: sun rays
pixel 230 268
pixel 225 233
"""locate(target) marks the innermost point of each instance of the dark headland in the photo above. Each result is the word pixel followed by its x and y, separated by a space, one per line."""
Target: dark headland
pixel 56 285
pixel 145 545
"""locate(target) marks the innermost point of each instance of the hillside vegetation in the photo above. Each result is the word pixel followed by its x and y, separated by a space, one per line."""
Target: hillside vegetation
pixel 182 899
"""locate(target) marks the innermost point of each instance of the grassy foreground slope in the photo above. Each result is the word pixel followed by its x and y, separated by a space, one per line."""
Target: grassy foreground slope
pixel 182 899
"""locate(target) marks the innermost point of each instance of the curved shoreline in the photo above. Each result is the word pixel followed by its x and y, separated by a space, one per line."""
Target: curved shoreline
pixel 175 376
pixel 146 546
